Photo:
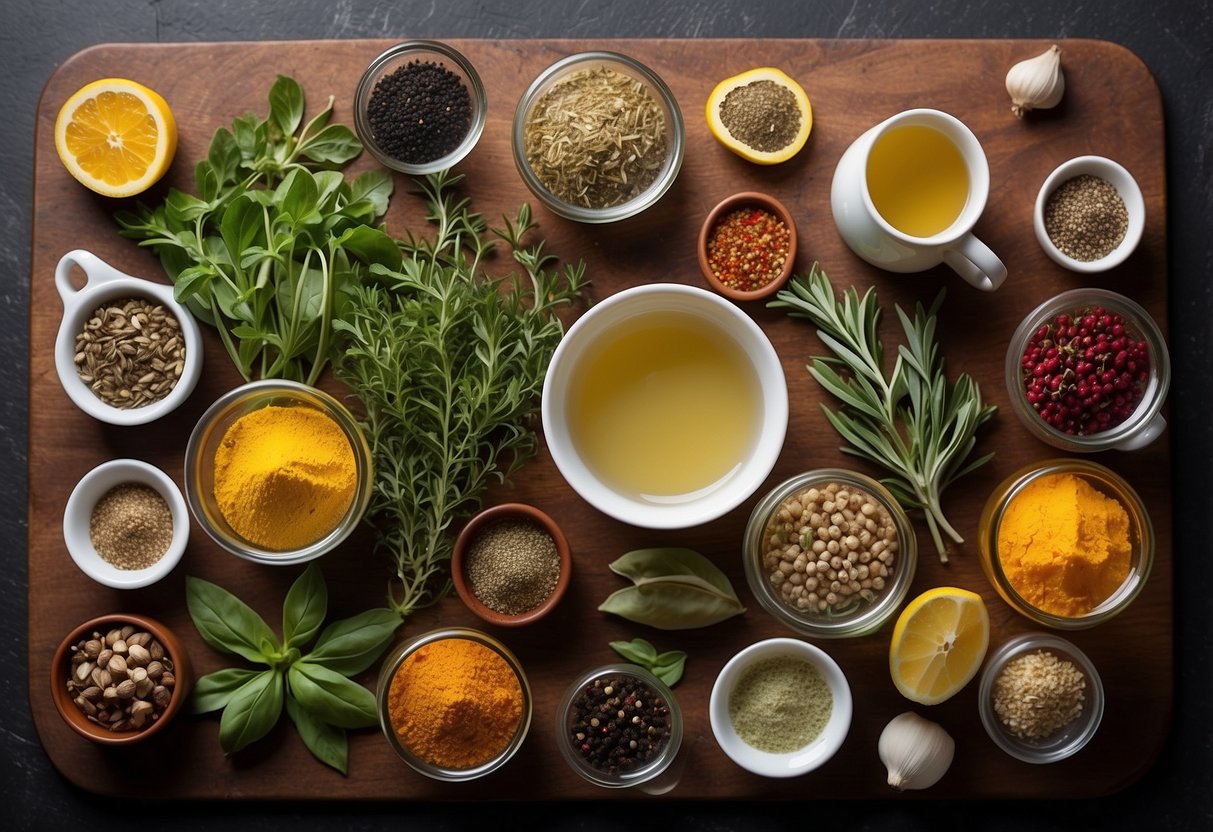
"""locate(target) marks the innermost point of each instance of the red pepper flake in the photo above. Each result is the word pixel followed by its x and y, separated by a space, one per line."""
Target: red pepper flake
pixel 748 249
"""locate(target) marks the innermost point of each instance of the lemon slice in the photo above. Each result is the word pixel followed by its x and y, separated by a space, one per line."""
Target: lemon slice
pixel 116 136
pixel 761 115
pixel 938 644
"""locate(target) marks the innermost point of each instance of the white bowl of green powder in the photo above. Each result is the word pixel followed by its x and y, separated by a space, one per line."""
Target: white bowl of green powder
pixel 780 708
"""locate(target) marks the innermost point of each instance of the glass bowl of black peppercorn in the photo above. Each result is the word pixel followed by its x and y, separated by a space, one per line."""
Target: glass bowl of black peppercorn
pixel 420 107
pixel 619 726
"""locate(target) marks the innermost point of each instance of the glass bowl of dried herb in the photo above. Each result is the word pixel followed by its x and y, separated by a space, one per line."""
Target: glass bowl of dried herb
pixel 598 137
pixel 126 524
pixel 420 107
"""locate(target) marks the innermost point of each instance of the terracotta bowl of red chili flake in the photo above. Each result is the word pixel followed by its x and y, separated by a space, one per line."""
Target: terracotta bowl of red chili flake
pixel 1089 370
pixel 747 246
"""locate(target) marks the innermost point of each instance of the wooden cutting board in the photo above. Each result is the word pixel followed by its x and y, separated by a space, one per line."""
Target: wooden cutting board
pixel 1112 107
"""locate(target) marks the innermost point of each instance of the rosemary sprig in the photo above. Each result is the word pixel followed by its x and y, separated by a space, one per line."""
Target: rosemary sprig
pixel 449 365
pixel 908 422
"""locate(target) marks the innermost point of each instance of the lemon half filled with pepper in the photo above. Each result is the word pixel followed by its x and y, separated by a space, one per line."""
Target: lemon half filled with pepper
pixel 761 115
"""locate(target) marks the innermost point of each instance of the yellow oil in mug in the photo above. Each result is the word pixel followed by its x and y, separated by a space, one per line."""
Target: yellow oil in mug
pixel 917 179
pixel 664 405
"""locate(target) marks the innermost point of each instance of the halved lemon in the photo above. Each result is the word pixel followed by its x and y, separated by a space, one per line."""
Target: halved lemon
pixel 761 115
pixel 939 642
pixel 116 136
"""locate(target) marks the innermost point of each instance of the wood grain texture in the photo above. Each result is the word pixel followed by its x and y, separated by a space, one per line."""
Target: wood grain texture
pixel 1112 108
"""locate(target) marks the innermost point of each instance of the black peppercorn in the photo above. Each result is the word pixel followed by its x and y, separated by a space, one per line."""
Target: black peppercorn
pixel 419 112
pixel 618 723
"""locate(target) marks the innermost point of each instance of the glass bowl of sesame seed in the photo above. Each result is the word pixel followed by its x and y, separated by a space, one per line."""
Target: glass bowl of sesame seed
pixel 511 564
pixel 598 137
pixel 420 107
pixel 1040 699
pixel 1089 214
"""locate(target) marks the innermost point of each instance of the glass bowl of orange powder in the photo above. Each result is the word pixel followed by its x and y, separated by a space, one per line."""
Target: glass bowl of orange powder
pixel 454 703
pixel 1066 542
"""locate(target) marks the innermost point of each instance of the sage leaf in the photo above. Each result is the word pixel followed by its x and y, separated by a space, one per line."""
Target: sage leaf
pixel 330 697
pixel 672 605
pixel 668 667
pixel 213 691
pixel 637 650
pixel 353 644
pixel 328 743
pixel 673 564
pixel 305 606
pixel 225 622
pixel 252 711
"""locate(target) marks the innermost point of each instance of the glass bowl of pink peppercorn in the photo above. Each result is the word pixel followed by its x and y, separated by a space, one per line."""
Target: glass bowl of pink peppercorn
pixel 1088 370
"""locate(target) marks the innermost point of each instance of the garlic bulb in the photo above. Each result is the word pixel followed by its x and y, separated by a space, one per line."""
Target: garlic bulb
pixel 916 751
pixel 1037 83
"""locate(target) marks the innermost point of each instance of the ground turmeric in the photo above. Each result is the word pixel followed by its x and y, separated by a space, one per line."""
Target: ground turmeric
pixel 455 703
pixel 1063 545
pixel 284 476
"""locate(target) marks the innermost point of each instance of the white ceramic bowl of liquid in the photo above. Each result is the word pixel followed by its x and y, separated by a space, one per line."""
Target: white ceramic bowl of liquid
pixel 665 406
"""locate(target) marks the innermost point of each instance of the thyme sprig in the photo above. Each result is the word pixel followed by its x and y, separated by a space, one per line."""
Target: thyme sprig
pixel 449 364
pixel 907 422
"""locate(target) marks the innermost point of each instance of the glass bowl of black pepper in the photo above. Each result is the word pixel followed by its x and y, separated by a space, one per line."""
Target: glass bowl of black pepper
pixel 1089 214
pixel 1040 698
pixel 598 137
pixel 1088 370
pixel 620 726
pixel 420 107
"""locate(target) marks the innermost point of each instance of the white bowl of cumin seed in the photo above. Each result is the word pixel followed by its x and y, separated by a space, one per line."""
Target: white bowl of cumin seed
pixel 126 524
pixel 127 352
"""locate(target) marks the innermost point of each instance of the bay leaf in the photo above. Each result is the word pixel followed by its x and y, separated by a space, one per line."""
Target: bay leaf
pixel 672 604
pixel 672 564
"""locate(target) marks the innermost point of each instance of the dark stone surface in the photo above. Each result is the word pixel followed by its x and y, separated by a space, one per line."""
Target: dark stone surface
pixel 1175 39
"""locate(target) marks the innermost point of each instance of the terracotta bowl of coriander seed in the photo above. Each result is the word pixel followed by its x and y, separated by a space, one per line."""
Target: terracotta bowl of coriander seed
pixel 511 564
pixel 126 352
pixel 120 679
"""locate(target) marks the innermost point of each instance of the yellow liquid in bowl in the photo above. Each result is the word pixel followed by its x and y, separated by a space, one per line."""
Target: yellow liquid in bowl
pixel 663 406
pixel 917 179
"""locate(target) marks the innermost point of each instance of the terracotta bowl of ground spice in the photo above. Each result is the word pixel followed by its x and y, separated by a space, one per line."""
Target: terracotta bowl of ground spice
pixel 420 107
pixel 120 679
pixel 1067 543
pixel 1089 214
pixel 511 564
pixel 1040 699
pixel 126 524
pixel 278 472
pixel 747 246
pixel 454 703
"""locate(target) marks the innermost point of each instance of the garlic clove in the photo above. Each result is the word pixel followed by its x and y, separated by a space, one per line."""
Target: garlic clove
pixel 1037 83
pixel 916 751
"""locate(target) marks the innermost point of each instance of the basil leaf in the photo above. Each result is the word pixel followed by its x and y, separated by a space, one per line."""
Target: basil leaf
pixel 286 104
pixel 352 645
pixel 672 564
pixel 668 667
pixel 672 604
pixel 375 187
pixel 371 245
pixel 249 134
pixel 243 222
pixel 336 144
pixel 214 690
pixel 305 606
pixel 224 159
pixel 225 622
pixel 637 650
pixel 252 712
pixel 328 743
pixel 332 698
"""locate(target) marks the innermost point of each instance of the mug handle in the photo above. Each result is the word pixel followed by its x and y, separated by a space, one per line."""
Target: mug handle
pixel 972 259
pixel 95 271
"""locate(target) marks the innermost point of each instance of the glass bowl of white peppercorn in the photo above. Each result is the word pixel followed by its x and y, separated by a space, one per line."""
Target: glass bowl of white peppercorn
pixel 120 679
pixel 420 107
pixel 511 564
pixel 830 553
pixel 1089 214
pixel 1040 698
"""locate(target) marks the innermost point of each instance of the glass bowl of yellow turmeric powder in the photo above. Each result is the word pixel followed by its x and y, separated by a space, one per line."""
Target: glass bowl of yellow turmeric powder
pixel 278 472
pixel 1066 542
pixel 454 703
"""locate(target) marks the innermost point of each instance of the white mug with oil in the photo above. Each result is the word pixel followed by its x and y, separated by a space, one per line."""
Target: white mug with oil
pixel 907 193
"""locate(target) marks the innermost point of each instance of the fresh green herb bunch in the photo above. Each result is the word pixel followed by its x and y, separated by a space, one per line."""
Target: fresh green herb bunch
pixel 448 364
pixel 269 266
pixel 313 687
pixel 909 422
